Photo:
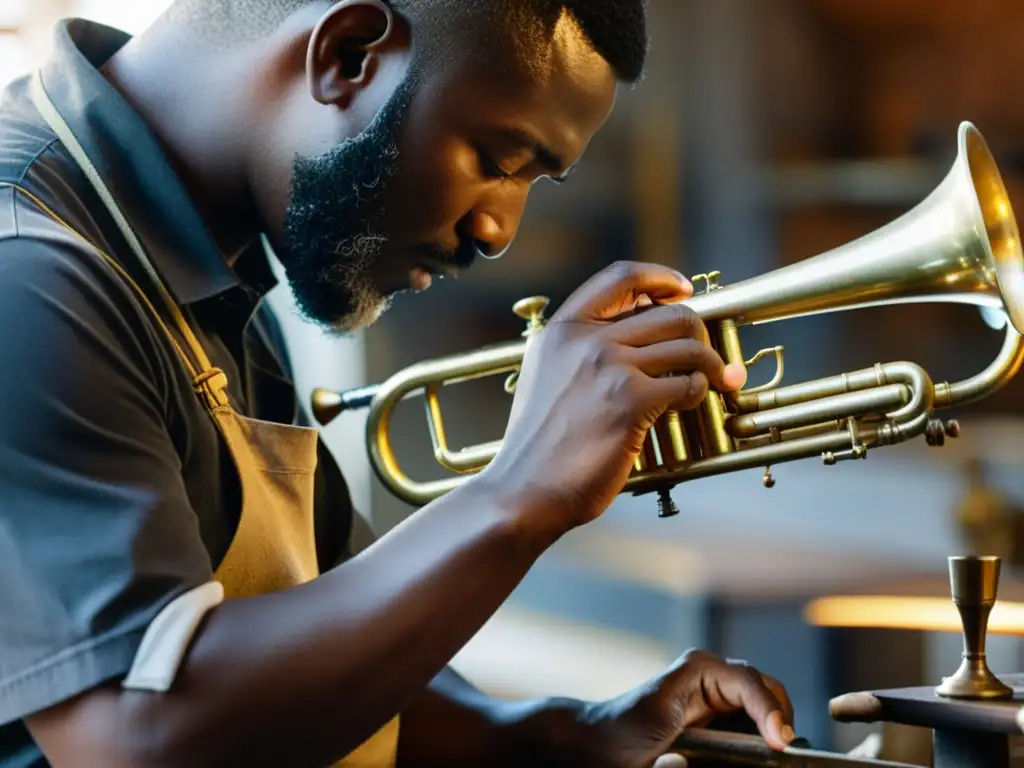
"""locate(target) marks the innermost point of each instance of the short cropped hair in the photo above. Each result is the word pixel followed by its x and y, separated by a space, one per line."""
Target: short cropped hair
pixel 616 29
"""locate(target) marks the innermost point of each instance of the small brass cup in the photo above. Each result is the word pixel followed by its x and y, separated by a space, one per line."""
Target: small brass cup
pixel 975 583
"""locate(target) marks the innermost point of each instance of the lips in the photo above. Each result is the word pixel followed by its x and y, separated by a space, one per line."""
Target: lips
pixel 438 268
pixel 419 279
pixel 432 265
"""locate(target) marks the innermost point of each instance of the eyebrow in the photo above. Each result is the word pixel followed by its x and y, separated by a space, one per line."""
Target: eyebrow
pixel 547 157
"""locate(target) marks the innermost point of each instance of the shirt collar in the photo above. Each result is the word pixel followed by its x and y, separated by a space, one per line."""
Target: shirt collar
pixel 136 170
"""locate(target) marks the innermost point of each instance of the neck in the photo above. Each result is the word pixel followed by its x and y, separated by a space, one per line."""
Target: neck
pixel 198 103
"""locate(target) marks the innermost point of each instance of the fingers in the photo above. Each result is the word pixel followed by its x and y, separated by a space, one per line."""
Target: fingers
pixel 779 690
pixel 684 392
pixel 727 687
pixel 673 340
pixel 679 393
pixel 745 687
pixel 661 323
pixel 619 288
pixel 686 356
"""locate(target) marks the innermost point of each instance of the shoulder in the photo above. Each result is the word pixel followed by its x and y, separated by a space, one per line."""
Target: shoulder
pixel 78 337
pixel 24 135
pixel 38 173
pixel 55 282
pixel 48 275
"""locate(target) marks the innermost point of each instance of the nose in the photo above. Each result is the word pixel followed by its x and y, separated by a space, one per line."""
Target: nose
pixel 492 232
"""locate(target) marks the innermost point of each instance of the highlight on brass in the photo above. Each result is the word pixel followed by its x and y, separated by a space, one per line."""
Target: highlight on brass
pixel 961 244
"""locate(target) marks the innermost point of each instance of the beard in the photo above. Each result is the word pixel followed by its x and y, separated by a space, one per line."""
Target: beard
pixel 333 232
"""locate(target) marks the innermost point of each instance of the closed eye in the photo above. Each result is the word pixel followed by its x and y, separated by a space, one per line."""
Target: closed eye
pixel 491 168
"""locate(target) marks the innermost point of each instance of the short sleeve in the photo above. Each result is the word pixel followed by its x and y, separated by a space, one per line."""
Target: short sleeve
pixel 97 535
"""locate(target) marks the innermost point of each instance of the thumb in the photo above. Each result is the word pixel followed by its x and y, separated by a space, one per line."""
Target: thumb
pixel 623 287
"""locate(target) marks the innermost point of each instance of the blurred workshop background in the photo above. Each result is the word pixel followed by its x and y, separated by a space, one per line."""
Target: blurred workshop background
pixel 767 131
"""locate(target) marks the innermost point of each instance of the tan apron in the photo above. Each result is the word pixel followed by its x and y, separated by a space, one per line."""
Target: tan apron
pixel 273 548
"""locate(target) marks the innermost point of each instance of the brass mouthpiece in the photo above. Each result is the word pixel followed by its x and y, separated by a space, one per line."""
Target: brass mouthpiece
pixel 975 583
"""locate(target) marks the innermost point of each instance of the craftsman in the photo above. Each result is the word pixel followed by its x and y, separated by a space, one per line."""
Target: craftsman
pixel 183 580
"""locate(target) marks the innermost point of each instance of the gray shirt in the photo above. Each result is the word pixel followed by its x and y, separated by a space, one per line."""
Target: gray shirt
pixel 116 492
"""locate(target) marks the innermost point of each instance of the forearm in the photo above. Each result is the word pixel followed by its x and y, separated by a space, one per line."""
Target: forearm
pixel 304 676
pixel 454 724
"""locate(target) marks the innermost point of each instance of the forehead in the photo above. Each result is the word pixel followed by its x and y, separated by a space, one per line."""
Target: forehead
pixel 555 87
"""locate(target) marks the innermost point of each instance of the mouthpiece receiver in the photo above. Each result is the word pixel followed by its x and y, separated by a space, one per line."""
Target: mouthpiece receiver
pixel 974 582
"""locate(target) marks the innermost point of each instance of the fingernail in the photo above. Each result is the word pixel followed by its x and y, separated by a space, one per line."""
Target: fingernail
pixel 779 729
pixel 735 375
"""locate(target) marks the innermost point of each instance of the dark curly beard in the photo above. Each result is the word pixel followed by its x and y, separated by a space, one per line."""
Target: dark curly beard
pixel 332 233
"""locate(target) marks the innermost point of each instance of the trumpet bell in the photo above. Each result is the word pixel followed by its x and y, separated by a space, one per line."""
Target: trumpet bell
pixel 961 244
pixel 1001 245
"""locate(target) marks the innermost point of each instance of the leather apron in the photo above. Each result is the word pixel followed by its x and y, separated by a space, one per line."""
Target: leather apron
pixel 273 548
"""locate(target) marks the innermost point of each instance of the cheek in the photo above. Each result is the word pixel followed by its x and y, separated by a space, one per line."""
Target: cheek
pixel 436 187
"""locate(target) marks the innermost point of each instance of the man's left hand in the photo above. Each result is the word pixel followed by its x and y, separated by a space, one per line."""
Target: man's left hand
pixel 638 728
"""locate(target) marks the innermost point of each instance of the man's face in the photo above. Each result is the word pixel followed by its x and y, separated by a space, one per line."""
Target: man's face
pixel 439 175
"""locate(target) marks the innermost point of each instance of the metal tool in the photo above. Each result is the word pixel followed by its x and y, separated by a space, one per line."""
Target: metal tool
pixel 975 584
pixel 961 245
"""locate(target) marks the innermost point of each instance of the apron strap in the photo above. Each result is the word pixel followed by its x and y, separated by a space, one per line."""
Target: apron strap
pixel 210 382
pixel 113 264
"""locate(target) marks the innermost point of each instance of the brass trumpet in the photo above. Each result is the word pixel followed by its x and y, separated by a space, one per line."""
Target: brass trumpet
pixel 961 244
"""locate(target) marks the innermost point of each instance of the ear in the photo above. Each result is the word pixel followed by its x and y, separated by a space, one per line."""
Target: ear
pixel 344 49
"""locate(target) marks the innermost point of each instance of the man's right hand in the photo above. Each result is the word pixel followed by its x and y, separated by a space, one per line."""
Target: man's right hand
pixel 594 381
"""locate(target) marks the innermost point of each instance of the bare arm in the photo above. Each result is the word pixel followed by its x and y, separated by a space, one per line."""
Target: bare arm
pixel 302 677
pixel 453 724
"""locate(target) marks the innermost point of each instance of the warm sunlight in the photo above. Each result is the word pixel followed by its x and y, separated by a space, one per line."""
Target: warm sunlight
pixel 934 614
